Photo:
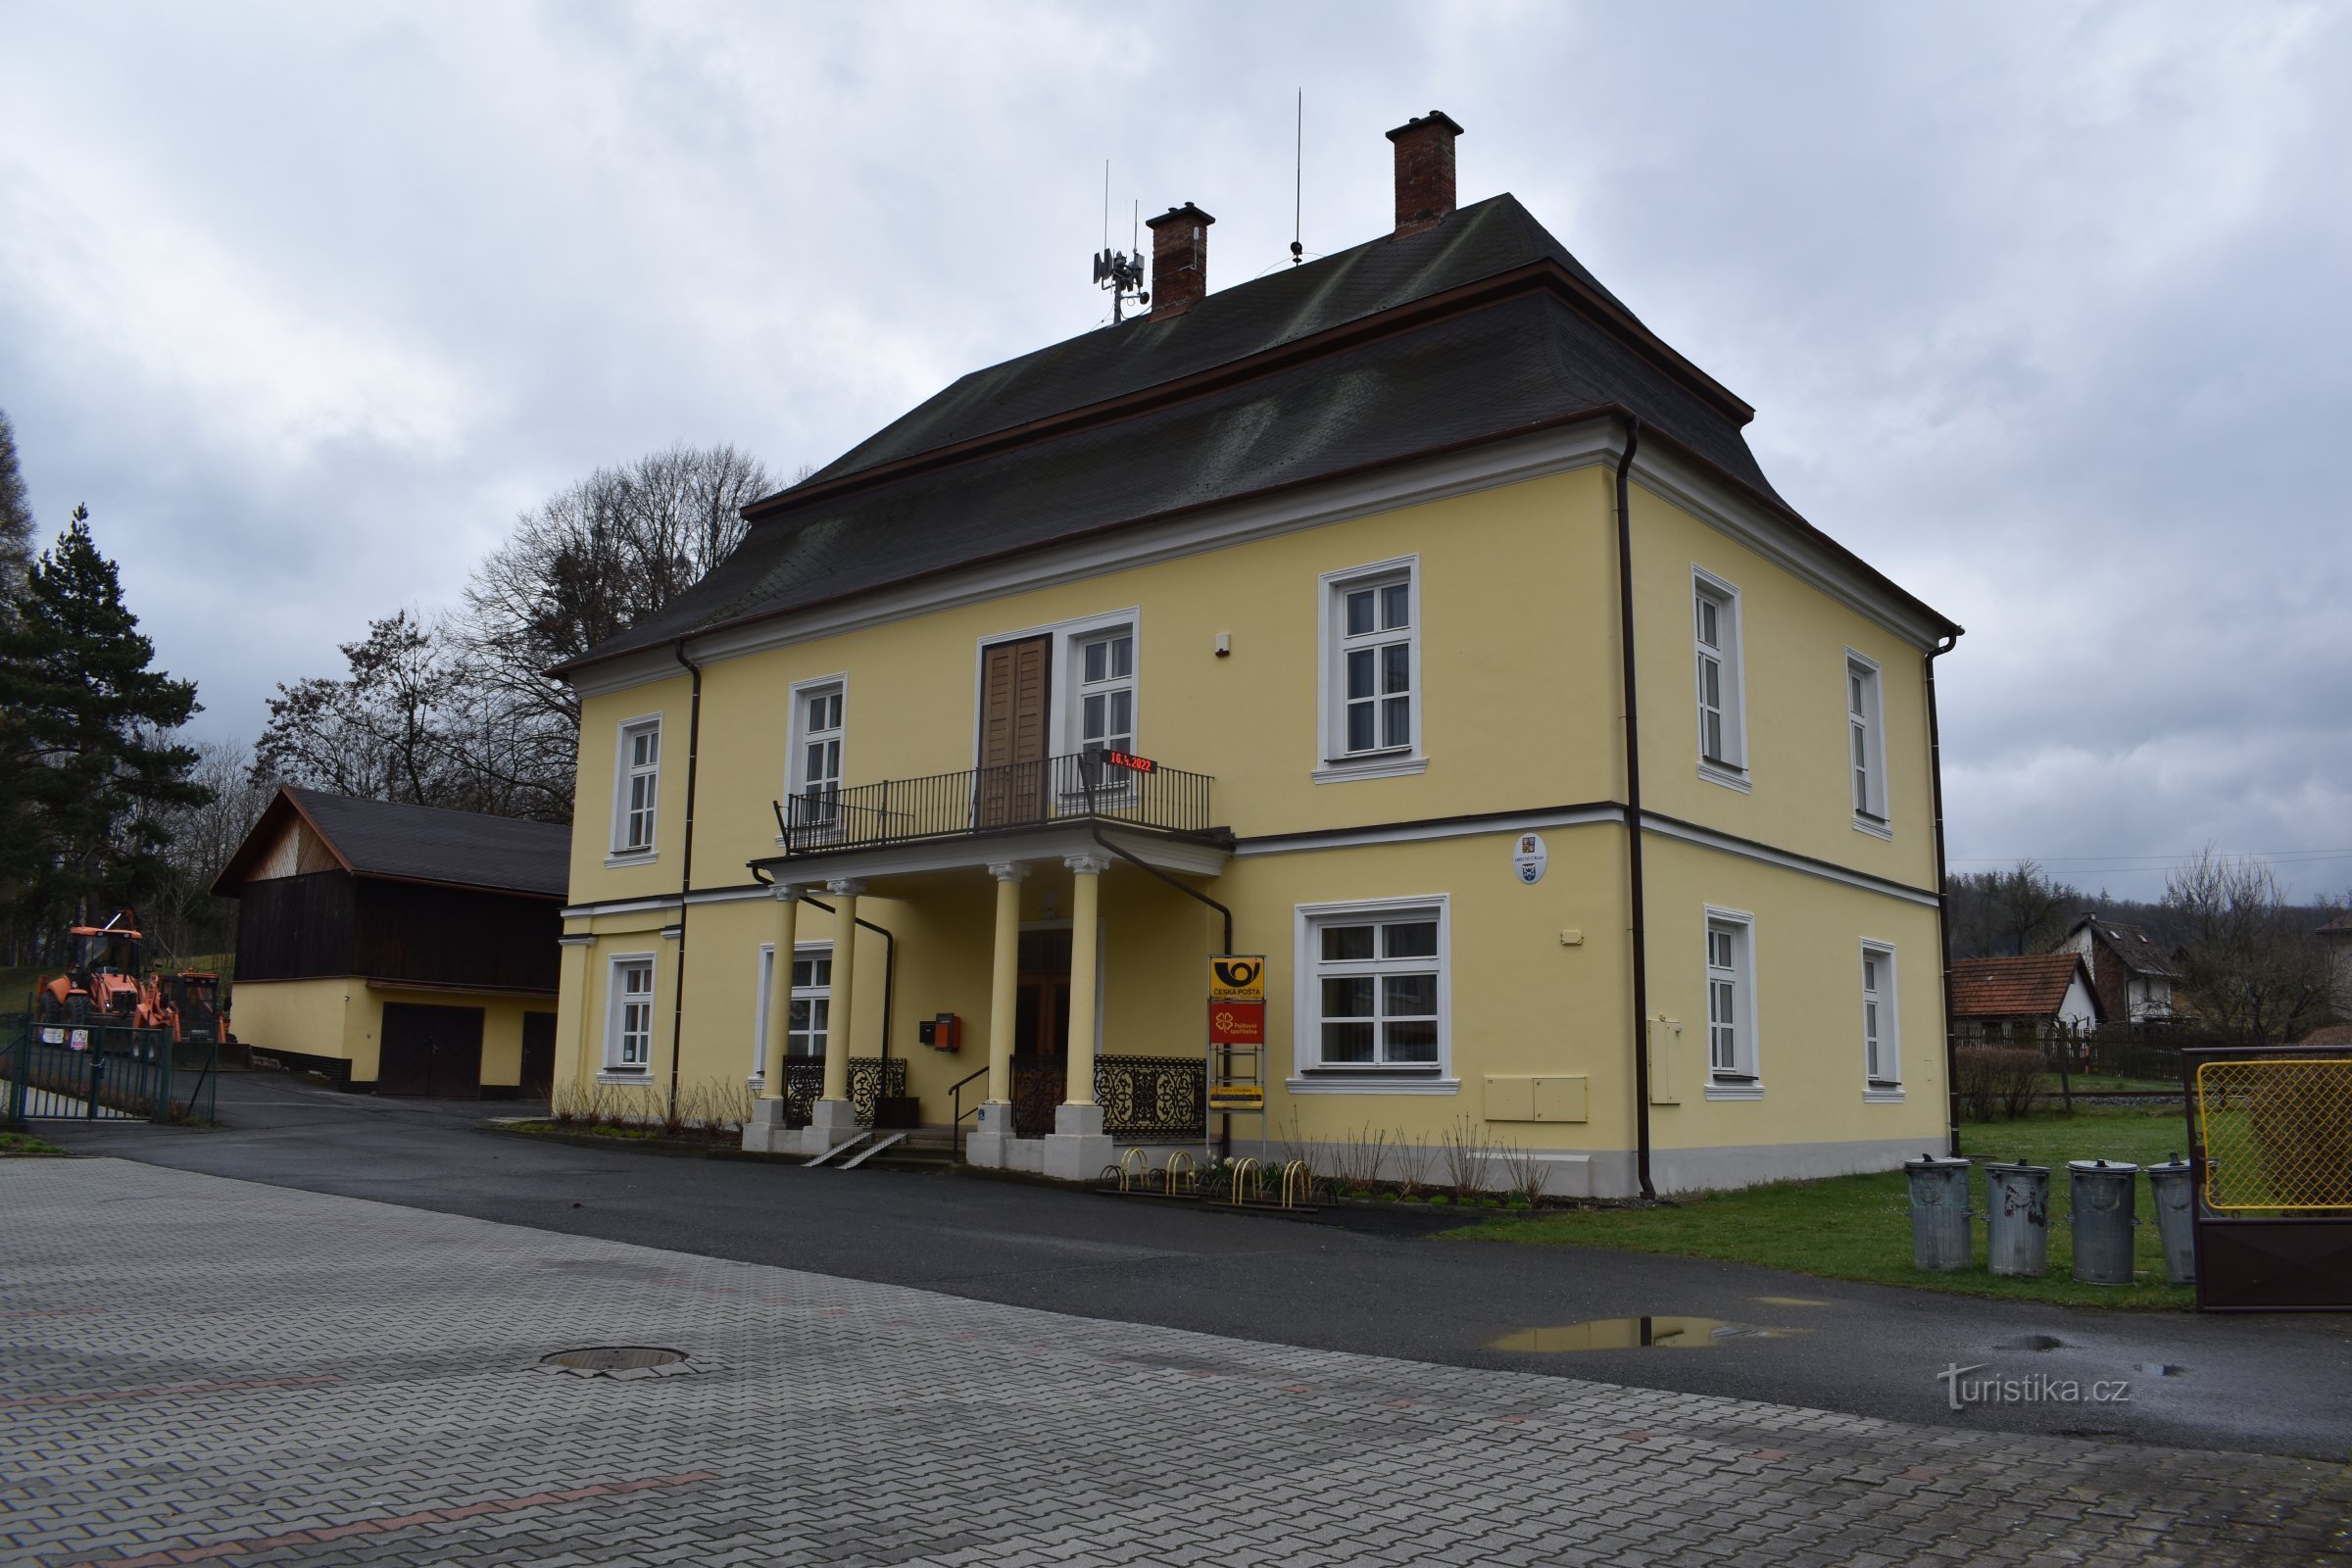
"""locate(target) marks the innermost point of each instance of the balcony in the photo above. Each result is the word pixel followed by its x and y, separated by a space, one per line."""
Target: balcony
pixel 1110 787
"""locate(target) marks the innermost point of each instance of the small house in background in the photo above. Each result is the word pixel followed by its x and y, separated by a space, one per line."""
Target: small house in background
pixel 400 948
pixel 2131 974
pixel 2039 996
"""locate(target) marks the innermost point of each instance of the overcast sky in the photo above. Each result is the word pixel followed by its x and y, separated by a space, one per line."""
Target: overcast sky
pixel 2042 308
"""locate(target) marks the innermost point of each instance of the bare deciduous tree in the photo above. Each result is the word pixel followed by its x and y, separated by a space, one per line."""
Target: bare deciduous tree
pixel 2020 910
pixel 2250 963
pixel 186 919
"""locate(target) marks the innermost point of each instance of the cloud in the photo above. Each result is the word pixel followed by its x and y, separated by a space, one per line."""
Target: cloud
pixel 2040 305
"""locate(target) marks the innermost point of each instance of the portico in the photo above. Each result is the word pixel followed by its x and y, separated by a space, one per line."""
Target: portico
pixel 1061 886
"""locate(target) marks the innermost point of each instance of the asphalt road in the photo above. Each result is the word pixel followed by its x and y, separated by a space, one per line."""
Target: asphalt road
pixel 2274 1385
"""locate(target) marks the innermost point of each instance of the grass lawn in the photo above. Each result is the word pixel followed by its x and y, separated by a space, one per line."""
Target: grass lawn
pixel 16 1143
pixel 1859 1227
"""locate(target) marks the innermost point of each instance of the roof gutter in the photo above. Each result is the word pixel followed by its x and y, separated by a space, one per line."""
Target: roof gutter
pixel 1633 803
pixel 694 747
pixel 1943 904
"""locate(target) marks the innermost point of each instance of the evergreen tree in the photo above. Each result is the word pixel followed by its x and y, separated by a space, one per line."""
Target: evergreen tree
pixel 86 762
pixel 16 519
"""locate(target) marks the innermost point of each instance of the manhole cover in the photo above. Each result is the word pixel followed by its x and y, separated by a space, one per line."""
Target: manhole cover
pixel 612 1358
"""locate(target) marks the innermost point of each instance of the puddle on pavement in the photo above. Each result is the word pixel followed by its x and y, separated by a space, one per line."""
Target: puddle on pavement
pixel 1636 1333
pixel 1787 1301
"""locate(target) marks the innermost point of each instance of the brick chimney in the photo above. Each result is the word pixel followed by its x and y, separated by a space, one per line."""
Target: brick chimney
pixel 1424 171
pixel 1179 260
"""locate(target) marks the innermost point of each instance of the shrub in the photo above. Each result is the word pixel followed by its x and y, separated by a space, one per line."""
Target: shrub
pixel 1413 1165
pixel 2003 1078
pixel 1467 1158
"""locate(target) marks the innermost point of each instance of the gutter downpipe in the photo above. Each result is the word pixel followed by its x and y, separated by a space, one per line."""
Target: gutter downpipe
pixel 890 961
pixel 1943 905
pixel 1633 804
pixel 694 746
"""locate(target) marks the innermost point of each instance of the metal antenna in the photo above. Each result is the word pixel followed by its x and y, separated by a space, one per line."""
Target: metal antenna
pixel 1298 182
pixel 1117 271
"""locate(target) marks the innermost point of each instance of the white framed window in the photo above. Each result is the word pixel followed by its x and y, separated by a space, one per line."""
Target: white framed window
pixel 1730 1005
pixel 810 1021
pixel 1882 1025
pixel 1721 679
pixel 819 711
pixel 1374 993
pixel 1371 680
pixel 629 1014
pixel 1866 744
pixel 1104 665
pixel 637 787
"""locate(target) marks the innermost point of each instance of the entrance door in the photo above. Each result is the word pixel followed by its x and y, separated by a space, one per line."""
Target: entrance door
pixel 1040 1033
pixel 1015 685
pixel 435 1052
pixel 538 1054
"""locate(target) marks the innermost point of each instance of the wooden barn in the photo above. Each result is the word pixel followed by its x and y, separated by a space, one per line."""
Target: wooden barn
pixel 400 948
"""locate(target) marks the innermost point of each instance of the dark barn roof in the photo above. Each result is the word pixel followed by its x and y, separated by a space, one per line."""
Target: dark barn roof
pixel 415 844
pixel 1478 329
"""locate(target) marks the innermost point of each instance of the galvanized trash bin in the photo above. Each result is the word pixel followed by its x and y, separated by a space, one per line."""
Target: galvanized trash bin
pixel 2176 1195
pixel 1940 1243
pixel 2105 1203
pixel 2017 1219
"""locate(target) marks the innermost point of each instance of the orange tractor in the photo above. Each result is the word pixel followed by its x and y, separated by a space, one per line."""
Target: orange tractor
pixel 106 982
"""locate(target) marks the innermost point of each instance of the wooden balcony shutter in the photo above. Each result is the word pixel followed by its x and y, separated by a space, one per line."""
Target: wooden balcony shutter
pixel 1014 686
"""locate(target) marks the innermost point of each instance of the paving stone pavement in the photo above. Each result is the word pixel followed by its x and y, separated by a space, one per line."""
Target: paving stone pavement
pixel 199 1369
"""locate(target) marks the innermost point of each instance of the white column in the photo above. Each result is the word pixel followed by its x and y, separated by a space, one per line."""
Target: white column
pixel 779 993
pixel 1084 946
pixel 1004 982
pixel 1077 1150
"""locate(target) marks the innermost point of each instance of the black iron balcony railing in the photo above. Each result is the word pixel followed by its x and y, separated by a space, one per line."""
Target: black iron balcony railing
pixel 1111 787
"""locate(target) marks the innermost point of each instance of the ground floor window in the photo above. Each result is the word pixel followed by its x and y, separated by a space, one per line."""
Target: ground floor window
pixel 629 1015
pixel 1730 998
pixel 1882 1030
pixel 811 1019
pixel 1373 988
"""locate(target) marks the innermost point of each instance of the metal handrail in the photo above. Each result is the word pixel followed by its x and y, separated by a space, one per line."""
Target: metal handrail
pixel 1087 786
pixel 956 1094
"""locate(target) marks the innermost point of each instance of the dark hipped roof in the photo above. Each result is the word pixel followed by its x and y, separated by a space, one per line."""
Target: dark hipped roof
pixel 416 844
pixel 1481 327
pixel 2032 986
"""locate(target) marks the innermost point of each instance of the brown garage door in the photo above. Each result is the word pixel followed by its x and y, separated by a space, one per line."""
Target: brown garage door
pixel 435 1052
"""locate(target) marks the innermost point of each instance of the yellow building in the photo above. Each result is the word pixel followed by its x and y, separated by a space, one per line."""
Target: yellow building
pixel 1413 616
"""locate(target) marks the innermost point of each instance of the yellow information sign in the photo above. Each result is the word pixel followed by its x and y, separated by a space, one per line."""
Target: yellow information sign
pixel 1238 977
pixel 1236 1096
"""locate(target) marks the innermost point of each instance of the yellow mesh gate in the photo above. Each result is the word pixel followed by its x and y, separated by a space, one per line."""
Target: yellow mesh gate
pixel 2277 1134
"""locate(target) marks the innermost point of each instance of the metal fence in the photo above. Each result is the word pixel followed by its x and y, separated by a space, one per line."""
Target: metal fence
pixel 2270 1134
pixel 1082 786
pixel 102 1072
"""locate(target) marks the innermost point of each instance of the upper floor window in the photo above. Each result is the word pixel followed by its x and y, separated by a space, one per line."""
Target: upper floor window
pixel 1882 1036
pixel 1106 692
pixel 1866 744
pixel 815 784
pixel 1731 1001
pixel 637 797
pixel 1372 658
pixel 629 1015
pixel 1372 988
pixel 1722 715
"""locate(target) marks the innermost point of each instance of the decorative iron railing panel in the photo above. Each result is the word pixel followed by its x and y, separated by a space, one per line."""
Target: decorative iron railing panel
pixel 1039 1084
pixel 1155 1098
pixel 804 1083
pixel 1081 787
pixel 1150 1098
